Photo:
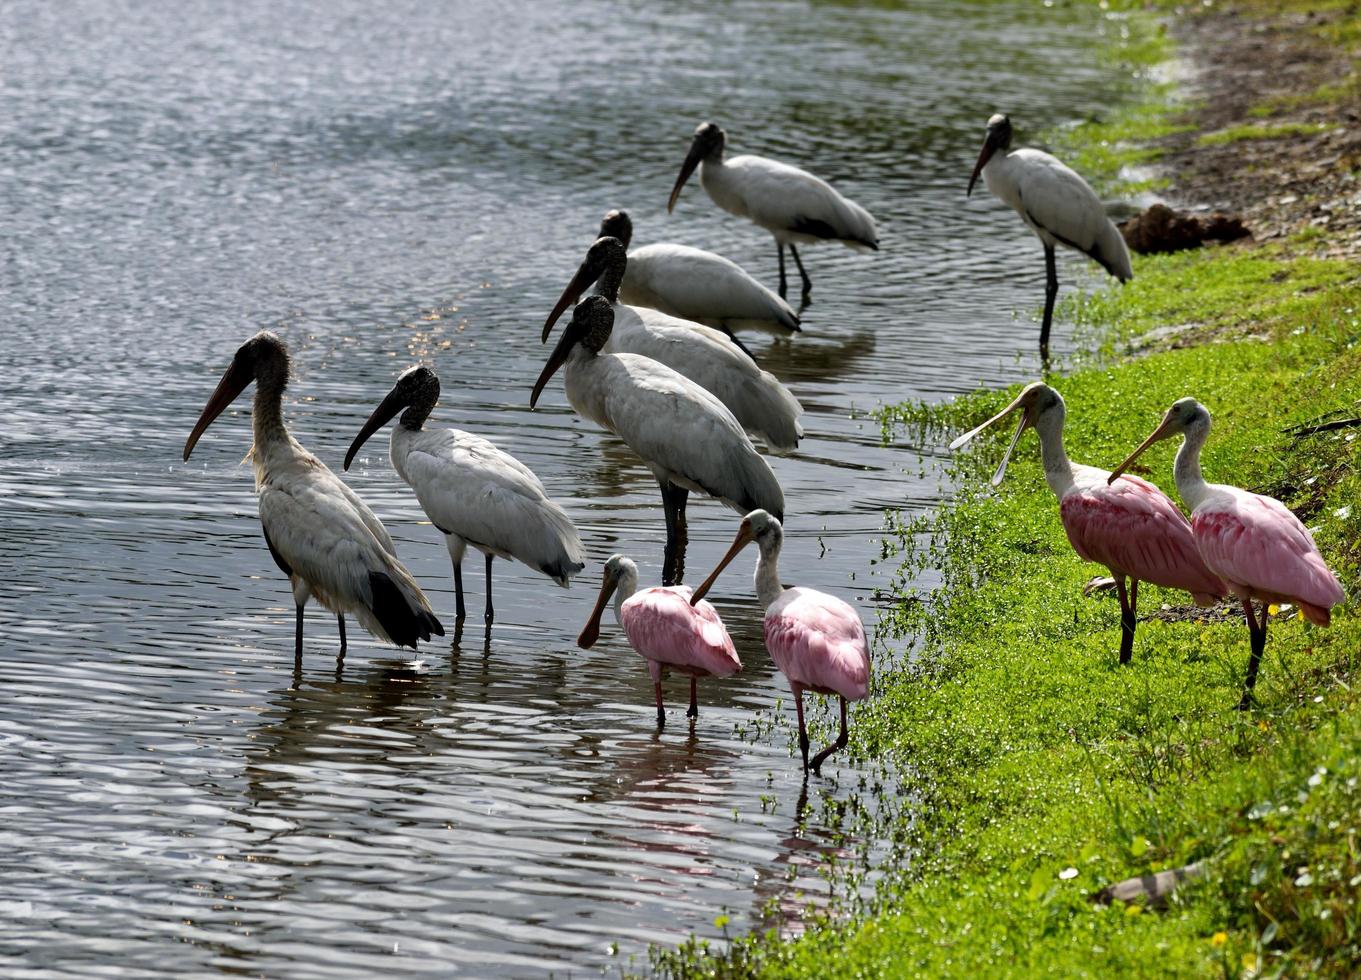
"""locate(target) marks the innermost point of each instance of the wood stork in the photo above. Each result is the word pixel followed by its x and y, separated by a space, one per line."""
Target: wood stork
pixel 756 398
pixel 1128 525
pixel 1058 206
pixel 816 640
pixel 473 492
pixel 665 630
pixel 693 284
pixel 321 535
pixel 793 205
pixel 1251 541
pixel 684 434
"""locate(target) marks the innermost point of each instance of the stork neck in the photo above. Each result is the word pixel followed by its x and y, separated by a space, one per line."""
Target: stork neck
pixel 1186 470
pixel 417 412
pixel 768 587
pixel 267 414
pixel 1058 469
pixel 612 277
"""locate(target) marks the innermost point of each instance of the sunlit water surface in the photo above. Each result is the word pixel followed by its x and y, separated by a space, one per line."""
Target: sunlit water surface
pixel 386 183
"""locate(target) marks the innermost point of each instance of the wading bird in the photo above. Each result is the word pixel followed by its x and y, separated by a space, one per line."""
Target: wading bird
pixel 321 535
pixel 693 284
pixel 665 630
pixel 793 205
pixel 1253 542
pixel 816 640
pixel 756 398
pixel 684 434
pixel 1058 206
pixel 474 493
pixel 1128 525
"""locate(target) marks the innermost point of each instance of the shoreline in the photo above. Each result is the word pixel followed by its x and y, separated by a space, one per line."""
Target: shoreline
pixel 1046 771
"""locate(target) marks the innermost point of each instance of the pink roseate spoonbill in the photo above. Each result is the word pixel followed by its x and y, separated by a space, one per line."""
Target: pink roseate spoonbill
pixel 1128 525
pixel 1057 205
pixel 320 534
pixel 665 630
pixel 793 205
pixel 1253 542
pixel 816 640
pixel 684 434
pixel 474 493
pixel 756 398
pixel 693 284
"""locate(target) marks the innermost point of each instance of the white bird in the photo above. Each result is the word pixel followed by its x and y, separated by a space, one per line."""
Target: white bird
pixel 322 536
pixel 684 434
pixel 473 492
pixel 756 398
pixel 793 205
pixel 1058 205
pixel 693 284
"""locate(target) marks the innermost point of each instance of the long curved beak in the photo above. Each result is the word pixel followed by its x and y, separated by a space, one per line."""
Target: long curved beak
pixel 1016 437
pixel 692 160
pixel 744 538
pixel 585 276
pixel 591 631
pixel 555 360
pixel 984 155
pixel 233 382
pixel 1163 430
pixel 387 408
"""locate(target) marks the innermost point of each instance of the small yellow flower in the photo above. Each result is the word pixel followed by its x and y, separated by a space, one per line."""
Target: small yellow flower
pixel 1262 724
pixel 1132 910
pixel 1273 609
pixel 1219 938
pixel 1249 962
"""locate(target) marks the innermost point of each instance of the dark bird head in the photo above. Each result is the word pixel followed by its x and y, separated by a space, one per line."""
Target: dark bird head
pixel 617 224
pixel 592 321
pixel 707 144
pixel 416 390
pixel 998 138
pixel 606 260
pixel 262 359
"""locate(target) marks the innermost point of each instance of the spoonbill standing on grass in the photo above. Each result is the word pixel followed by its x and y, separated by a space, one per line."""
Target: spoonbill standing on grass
pixel 320 534
pixel 665 630
pixel 793 205
pixel 684 434
pixel 756 398
pixel 693 284
pixel 474 493
pixel 1128 525
pixel 816 640
pixel 1251 541
pixel 1058 205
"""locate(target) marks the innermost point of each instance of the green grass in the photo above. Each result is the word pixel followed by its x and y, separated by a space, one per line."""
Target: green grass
pixel 1253 131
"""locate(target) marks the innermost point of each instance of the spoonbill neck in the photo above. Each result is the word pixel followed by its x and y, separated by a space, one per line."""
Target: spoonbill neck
pixel 1186 470
pixel 628 584
pixel 768 587
pixel 1058 469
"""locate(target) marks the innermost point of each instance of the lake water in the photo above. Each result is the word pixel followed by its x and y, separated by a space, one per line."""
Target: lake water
pixel 386 183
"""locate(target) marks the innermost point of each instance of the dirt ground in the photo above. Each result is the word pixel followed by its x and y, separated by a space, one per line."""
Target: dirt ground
pixel 1269 69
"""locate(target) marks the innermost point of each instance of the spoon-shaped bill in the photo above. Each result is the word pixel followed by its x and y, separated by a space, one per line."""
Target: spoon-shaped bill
pixel 591 631
pixel 387 408
pixel 744 538
pixel 233 382
pixel 1163 430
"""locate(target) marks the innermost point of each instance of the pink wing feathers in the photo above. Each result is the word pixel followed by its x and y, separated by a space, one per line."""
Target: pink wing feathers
pixel 1133 527
pixel 818 641
pixel 1257 543
pixel 664 628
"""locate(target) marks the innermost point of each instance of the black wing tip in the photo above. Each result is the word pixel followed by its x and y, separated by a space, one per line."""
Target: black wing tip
pixel 403 625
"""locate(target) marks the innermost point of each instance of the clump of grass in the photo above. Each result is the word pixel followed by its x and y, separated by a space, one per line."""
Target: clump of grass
pixel 1253 131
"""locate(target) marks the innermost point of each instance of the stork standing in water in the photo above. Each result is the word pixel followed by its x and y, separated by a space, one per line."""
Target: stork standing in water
pixel 1058 206
pixel 472 491
pixel 793 205
pixel 665 630
pixel 684 434
pixel 1128 525
pixel 756 398
pixel 693 284
pixel 816 640
pixel 321 535
pixel 1251 541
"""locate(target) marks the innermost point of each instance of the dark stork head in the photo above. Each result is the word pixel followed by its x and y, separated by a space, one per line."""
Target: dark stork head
pixel 617 224
pixel 592 321
pixel 262 359
pixel 416 390
pixel 707 144
pixel 606 260
pixel 998 138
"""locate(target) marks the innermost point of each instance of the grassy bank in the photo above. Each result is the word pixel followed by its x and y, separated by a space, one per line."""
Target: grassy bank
pixel 1046 771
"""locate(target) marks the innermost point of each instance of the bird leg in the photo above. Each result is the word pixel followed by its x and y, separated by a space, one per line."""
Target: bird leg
pixel 803 732
pixel 784 287
pixel 1127 620
pixel 840 743
pixel 682 534
pixel 673 506
pixel 489 613
pixel 460 613
pixel 297 635
pixel 661 712
pixel 740 346
pixel 1051 290
pixel 807 283
pixel 694 701
pixel 1257 641
pixel 340 620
